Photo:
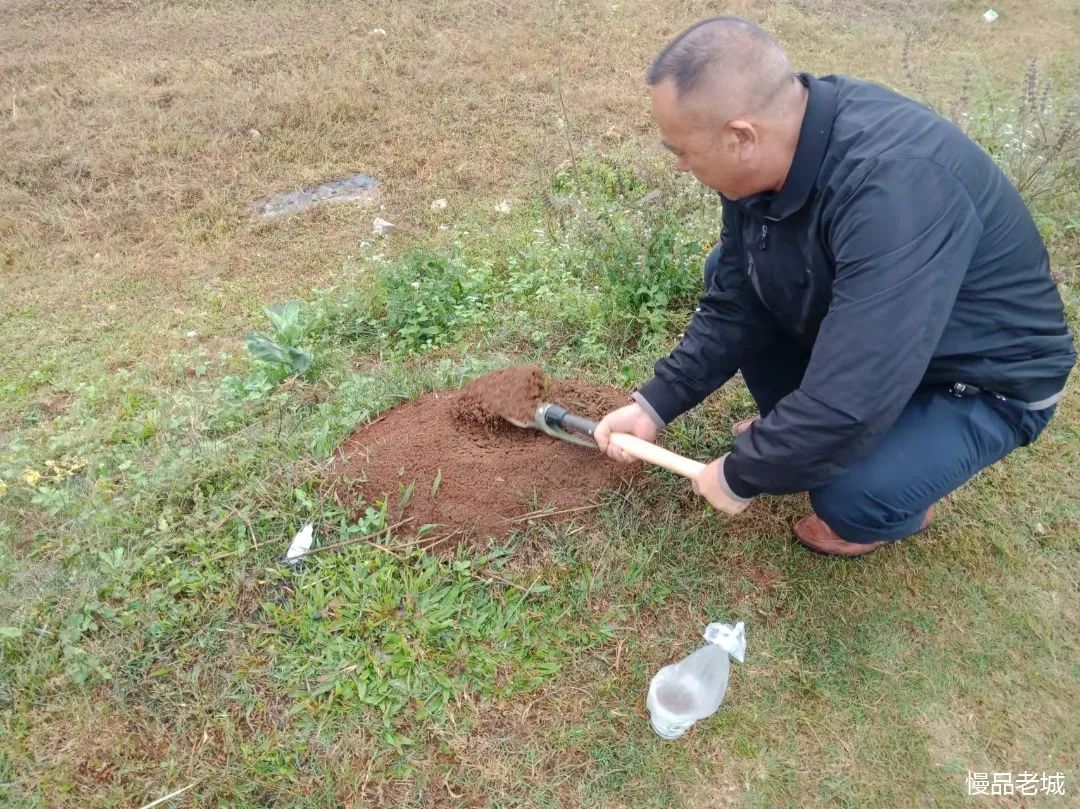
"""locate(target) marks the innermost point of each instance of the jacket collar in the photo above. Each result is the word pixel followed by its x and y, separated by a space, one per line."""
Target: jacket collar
pixel 809 151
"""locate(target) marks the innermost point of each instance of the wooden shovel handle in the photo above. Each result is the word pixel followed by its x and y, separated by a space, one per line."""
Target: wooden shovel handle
pixel 644 451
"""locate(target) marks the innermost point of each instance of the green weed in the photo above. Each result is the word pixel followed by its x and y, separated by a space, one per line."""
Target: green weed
pixel 281 350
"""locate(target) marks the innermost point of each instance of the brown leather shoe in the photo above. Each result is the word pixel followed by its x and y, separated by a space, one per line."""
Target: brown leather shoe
pixel 812 532
pixel 740 427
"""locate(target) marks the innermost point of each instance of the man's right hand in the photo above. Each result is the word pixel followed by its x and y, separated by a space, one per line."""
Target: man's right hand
pixel 630 419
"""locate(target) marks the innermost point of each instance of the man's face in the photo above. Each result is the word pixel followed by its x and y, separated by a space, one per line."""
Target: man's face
pixel 723 155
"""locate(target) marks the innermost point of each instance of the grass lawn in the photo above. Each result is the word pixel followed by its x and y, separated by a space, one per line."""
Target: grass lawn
pixel 152 471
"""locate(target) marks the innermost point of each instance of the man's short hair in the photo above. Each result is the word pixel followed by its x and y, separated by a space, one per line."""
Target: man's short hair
pixel 725 43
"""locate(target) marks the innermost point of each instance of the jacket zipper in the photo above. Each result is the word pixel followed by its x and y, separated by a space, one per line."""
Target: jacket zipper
pixel 751 270
pixel 762 239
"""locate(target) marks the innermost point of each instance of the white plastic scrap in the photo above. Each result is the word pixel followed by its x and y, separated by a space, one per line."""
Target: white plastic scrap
pixel 732 639
pixel 300 545
pixel 439 205
pixel 504 206
pixel 380 227
pixel 990 15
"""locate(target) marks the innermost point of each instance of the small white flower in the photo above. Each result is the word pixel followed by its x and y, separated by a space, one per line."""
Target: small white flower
pixel 415 285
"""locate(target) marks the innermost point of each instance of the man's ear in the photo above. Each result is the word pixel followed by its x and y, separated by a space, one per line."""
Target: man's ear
pixel 745 133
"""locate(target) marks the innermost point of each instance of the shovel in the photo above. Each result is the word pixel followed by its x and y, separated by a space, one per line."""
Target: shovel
pixel 558 422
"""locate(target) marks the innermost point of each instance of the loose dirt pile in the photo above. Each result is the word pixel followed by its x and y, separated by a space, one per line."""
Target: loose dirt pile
pixel 447 458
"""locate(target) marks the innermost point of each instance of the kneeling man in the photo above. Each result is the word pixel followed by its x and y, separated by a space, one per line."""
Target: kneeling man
pixel 879 283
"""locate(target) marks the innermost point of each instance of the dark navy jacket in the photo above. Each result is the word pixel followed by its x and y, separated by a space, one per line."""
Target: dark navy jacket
pixel 900 256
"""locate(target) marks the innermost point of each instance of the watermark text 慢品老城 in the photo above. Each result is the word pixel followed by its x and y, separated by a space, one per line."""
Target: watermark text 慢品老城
pixel 1023 783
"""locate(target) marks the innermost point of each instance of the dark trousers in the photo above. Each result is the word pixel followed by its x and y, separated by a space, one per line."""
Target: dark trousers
pixel 937 444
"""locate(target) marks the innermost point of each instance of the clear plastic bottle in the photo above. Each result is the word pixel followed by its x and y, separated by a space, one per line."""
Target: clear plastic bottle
pixel 693 688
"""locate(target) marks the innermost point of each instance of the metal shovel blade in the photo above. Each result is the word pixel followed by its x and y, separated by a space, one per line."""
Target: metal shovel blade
pixel 540 423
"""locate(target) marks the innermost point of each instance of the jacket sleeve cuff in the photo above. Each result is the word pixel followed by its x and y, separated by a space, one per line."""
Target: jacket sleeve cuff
pixel 735 485
pixel 664 402
pixel 648 408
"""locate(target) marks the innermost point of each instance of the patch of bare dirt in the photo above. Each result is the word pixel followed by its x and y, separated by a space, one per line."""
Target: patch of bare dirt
pixel 445 459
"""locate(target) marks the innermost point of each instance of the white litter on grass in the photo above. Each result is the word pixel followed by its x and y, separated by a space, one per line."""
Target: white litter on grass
pixel 504 206
pixel 990 15
pixel 439 205
pixel 692 689
pixel 381 227
pixel 191 335
pixel 300 545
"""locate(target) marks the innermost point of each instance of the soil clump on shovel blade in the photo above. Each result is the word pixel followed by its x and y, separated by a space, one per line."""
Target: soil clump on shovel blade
pixel 447 458
pixel 503 396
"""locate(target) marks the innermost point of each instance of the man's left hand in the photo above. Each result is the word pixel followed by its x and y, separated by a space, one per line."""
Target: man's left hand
pixel 708 484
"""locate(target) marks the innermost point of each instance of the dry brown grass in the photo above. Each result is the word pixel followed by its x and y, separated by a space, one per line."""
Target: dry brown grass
pixel 133 135
pixel 104 749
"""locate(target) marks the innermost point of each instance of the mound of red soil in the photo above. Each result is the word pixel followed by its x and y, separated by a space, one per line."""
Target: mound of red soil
pixel 488 471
